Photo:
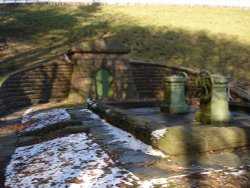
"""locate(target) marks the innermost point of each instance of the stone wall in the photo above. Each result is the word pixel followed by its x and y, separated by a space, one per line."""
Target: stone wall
pixel 46 82
pixel 149 79
pixel 89 58
pixel 132 79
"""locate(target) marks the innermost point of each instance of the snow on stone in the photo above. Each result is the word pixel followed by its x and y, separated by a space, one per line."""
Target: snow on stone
pixel 94 116
pixel 159 133
pixel 91 114
pixel 44 119
pixel 163 182
pixel 28 111
pixel 89 101
pixel 127 139
pixel 206 173
pixel 235 172
pixel 77 161
pixel 71 161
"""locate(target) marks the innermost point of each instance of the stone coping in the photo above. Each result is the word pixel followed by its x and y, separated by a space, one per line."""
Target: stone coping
pixel 101 46
pixel 31 67
pixel 134 103
pixel 184 69
pixel 234 90
pixel 177 140
pixel 240 94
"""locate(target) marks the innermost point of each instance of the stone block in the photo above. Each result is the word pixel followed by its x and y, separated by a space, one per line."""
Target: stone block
pixel 84 81
pixel 102 46
pixel 27 140
pixel 121 67
pixel 96 56
pixel 181 140
pixel 76 129
pixel 77 97
pixel 51 128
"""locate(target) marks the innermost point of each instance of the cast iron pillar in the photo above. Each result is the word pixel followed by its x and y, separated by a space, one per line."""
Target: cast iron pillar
pixel 214 107
pixel 174 97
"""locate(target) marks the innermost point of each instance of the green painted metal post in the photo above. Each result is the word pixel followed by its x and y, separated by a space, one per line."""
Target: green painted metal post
pixel 174 97
pixel 214 107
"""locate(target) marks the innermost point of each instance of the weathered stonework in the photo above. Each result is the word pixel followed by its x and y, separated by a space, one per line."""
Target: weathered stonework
pixel 88 59
pixel 179 139
pixel 149 79
pixel 46 82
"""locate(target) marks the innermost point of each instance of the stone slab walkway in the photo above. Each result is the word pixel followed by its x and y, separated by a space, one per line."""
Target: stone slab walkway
pixel 151 167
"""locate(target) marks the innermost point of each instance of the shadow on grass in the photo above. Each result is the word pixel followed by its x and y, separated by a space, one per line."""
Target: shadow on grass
pixel 27 22
pixel 197 50
pixel 56 26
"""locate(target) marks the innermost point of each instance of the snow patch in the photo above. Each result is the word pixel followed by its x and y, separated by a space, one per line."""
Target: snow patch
pixel 235 173
pixel 71 161
pixel 91 114
pixel 159 133
pixel 28 111
pixel 129 141
pixel 44 119
pixel 163 182
pixel 89 101
pixel 108 110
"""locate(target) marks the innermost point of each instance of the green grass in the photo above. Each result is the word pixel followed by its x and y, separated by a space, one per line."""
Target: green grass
pixel 215 39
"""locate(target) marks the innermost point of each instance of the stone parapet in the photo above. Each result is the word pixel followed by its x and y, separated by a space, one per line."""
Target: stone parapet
pixel 113 46
pixel 46 82
pixel 149 79
pixel 179 139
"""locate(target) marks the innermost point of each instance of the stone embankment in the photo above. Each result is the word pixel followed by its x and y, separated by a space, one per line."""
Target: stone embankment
pixel 149 78
pixel 42 83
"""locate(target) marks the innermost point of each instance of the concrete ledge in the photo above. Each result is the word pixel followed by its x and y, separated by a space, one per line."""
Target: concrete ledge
pixel 176 140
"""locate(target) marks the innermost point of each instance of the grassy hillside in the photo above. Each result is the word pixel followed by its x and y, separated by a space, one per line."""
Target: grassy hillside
pixel 216 39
